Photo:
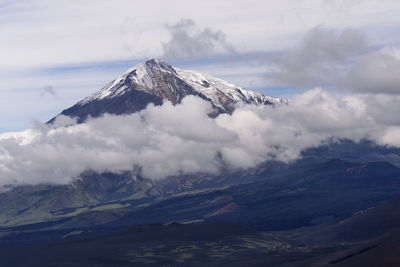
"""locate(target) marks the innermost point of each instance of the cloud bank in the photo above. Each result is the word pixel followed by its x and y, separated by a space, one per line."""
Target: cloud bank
pixel 170 140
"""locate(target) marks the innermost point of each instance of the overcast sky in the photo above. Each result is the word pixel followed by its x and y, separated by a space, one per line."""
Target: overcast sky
pixel 53 53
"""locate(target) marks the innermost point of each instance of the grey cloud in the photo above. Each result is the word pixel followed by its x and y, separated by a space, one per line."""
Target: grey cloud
pixel 187 41
pixel 318 58
pixel 339 59
pixel 375 72
pixel 169 140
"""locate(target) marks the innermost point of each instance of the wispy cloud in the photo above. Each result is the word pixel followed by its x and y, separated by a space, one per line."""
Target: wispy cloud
pixel 48 90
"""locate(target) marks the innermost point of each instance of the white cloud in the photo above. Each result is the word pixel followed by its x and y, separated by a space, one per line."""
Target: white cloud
pixel 169 140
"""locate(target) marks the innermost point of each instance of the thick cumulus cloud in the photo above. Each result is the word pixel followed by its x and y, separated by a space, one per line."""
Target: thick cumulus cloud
pixel 170 140
pixel 187 41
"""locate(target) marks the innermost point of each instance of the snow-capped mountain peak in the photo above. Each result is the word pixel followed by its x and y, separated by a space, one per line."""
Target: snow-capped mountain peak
pixel 154 80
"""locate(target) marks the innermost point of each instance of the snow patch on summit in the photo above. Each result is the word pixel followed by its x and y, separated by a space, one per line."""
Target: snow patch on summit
pixel 139 74
pixel 213 87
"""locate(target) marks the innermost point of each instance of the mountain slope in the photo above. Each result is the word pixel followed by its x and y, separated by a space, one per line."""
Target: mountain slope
pixel 371 237
pixel 153 81
pixel 281 202
pixel 287 201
